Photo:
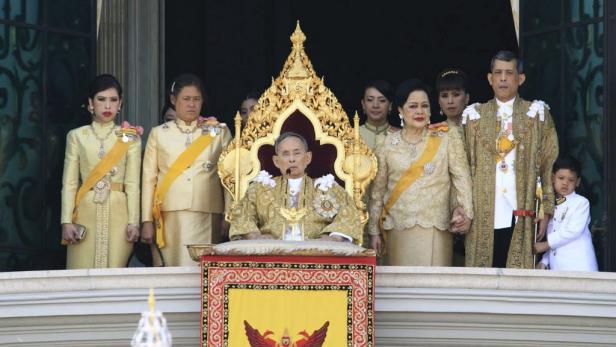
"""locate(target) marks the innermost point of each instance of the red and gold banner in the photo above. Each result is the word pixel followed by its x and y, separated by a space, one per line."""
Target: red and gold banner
pixel 301 301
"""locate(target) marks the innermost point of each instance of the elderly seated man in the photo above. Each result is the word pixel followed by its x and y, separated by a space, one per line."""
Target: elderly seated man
pixel 294 206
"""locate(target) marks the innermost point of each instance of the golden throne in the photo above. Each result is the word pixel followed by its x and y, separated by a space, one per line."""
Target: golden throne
pixel 299 101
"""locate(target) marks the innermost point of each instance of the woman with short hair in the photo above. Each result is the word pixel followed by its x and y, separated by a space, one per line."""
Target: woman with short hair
pixel 182 201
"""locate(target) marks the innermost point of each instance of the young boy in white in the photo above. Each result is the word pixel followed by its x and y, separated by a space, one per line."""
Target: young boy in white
pixel 569 243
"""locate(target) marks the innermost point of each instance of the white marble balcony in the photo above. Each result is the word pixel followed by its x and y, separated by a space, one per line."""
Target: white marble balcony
pixel 416 306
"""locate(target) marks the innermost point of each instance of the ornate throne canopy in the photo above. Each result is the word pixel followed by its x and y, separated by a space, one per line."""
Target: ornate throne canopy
pixel 299 101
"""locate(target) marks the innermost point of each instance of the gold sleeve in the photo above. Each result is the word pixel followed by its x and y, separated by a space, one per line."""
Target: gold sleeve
pixel 377 195
pixel 459 172
pixel 547 155
pixel 131 181
pixel 243 217
pixel 70 177
pixel 150 176
pixel 347 219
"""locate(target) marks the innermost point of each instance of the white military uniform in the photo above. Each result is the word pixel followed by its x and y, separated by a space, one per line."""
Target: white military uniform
pixel 570 241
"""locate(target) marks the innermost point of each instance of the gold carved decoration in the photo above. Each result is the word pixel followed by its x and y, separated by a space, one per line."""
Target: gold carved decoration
pixel 298 88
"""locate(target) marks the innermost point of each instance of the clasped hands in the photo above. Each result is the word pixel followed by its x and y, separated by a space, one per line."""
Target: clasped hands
pixel 460 222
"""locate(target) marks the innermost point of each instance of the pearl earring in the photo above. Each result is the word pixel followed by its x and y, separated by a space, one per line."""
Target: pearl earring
pixel 401 120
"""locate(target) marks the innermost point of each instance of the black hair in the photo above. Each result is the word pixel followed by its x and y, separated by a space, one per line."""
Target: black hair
pixel 251 95
pixel 287 135
pixel 186 80
pixel 382 86
pixel 451 79
pixel 104 82
pixel 567 163
pixel 406 88
pixel 168 106
pixel 507 56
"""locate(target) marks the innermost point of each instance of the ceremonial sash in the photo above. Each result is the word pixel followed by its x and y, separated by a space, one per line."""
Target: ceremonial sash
pixel 179 165
pixel 116 153
pixel 410 176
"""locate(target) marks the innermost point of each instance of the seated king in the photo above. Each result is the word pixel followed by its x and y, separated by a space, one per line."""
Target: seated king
pixel 294 206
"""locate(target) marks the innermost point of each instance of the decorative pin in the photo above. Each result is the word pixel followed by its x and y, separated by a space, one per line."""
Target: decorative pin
pixel 208 165
pixel 124 138
pixel 429 168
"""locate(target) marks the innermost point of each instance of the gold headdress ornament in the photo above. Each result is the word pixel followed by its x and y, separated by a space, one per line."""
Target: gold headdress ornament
pixel 298 89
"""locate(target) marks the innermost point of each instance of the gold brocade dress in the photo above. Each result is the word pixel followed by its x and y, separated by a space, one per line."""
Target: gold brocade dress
pixel 105 243
pixel 418 223
pixel 192 209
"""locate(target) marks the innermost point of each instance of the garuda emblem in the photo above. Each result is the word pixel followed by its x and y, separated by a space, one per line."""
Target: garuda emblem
pixel 256 339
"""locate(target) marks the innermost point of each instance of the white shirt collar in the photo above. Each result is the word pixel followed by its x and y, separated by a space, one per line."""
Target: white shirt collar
pixel 506 103
pixel 295 185
pixel 505 109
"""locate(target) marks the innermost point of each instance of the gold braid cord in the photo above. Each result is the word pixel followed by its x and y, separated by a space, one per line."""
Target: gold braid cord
pixel 298 88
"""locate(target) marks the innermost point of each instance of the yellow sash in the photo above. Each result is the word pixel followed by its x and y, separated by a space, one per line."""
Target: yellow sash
pixel 116 153
pixel 184 160
pixel 410 176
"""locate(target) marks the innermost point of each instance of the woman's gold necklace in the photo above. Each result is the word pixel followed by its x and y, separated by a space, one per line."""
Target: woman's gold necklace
pixel 101 148
pixel 187 132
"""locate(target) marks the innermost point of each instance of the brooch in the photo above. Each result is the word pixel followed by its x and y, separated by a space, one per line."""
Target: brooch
pixel 213 130
pixel 208 165
pixel 429 168
pixel 326 206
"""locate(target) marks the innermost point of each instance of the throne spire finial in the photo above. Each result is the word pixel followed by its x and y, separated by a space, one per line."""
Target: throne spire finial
pixel 298 38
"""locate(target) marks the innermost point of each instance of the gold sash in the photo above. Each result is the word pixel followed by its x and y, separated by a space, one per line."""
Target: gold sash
pixel 184 160
pixel 116 153
pixel 415 170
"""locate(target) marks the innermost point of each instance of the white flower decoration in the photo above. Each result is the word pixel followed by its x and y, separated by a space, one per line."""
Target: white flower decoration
pixel 325 183
pixel 537 106
pixel 470 112
pixel 265 179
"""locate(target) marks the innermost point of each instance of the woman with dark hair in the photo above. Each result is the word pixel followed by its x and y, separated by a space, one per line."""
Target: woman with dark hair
pixel 376 105
pixel 247 105
pixel 452 88
pixel 100 183
pixel 411 192
pixel 453 96
pixel 182 200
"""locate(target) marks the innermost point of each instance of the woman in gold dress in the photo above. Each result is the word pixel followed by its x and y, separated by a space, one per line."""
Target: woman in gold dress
pixel 411 192
pixel 100 183
pixel 182 200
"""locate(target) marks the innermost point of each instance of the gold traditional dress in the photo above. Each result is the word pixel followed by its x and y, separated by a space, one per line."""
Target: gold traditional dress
pixel 328 208
pixel 104 244
pixel 375 135
pixel 193 206
pixel 417 224
pixel 535 142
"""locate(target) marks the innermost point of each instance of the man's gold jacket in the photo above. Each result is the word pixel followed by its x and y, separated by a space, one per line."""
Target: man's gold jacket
pixel 328 210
